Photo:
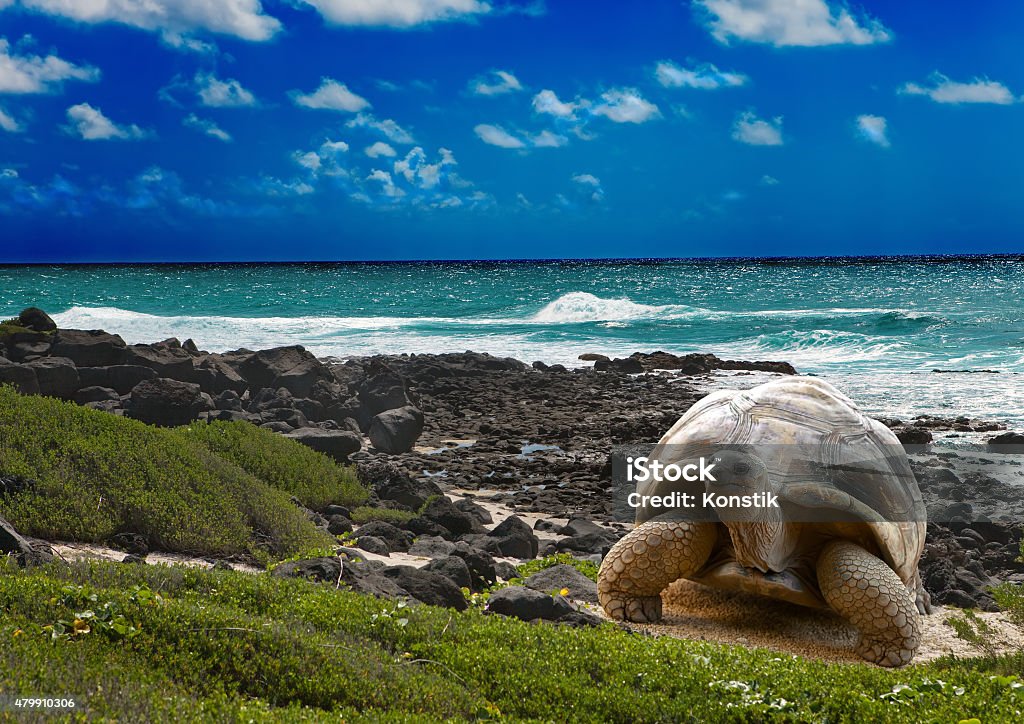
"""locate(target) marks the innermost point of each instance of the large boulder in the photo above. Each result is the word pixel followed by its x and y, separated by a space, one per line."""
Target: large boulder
pixel 167 402
pixel 164 359
pixel 427 586
pixel 122 378
pixel 1008 442
pixel 338 444
pixel 513 537
pixel 37 320
pixel 22 377
pixel 562 576
pixel 96 394
pixel 89 348
pixel 396 431
pixel 382 389
pixel 442 511
pixel 396 538
pixel 404 490
pixel 527 604
pixel 293 368
pixel 57 376
pixel 215 375
pixel 453 568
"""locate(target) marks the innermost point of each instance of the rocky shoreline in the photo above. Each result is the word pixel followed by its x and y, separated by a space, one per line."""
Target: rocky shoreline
pixel 532 439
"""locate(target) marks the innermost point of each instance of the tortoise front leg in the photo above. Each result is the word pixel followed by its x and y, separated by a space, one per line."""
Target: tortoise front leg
pixel 866 592
pixel 645 562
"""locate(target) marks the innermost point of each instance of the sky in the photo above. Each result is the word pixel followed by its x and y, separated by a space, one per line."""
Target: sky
pixel 188 130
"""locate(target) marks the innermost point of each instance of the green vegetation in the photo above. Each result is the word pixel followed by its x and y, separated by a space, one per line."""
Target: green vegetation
pixel 151 642
pixel 97 475
pixel 587 568
pixel 973 629
pixel 364 514
pixel 313 478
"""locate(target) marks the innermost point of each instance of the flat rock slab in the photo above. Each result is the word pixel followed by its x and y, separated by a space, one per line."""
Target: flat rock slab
pixel 696 612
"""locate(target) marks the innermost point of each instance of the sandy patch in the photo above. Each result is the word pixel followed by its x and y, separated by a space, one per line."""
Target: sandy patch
pixel 696 612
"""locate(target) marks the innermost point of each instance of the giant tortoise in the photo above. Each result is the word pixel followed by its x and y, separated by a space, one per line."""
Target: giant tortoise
pixel 847 532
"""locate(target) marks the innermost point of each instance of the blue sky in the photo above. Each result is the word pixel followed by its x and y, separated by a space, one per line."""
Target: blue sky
pixel 356 129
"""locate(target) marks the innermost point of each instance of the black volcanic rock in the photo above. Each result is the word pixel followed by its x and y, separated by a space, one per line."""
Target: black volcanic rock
pixel 93 348
pixel 167 402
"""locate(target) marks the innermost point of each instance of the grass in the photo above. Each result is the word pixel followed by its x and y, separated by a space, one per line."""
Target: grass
pixel 13 326
pixel 193 644
pixel 221 492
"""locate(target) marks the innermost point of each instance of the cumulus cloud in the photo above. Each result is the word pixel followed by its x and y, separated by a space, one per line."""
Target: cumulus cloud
pixel 243 19
pixel 386 127
pixel 36 74
pixel 767 180
pixel 495 83
pixel 790 23
pixel 944 90
pixel 380 149
pixel 547 102
pixel 217 93
pixel 754 131
pixel 873 129
pixel 498 136
pixel 91 125
pixel 703 77
pixel 9 123
pixel 398 13
pixel 417 170
pixel 625 105
pixel 331 96
pixel 387 185
pixel 206 126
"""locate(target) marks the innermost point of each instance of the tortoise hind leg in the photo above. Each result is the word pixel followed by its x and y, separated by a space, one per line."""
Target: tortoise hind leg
pixel 866 592
pixel 646 561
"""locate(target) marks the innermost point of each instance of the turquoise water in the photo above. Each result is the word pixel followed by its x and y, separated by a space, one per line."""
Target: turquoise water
pixel 875 327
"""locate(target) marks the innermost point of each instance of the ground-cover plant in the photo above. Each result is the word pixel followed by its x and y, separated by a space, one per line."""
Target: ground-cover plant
pixel 365 513
pixel 310 476
pixel 587 568
pixel 221 644
pixel 95 475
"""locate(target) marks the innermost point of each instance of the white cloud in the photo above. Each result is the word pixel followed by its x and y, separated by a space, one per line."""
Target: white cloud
pixel 703 77
pixel 498 82
pixel 767 180
pixel 626 105
pixel 589 187
pixel 790 23
pixel 380 149
pixel 217 93
pixel 331 96
pixel 388 187
pixel 944 90
pixel 547 102
pixel 92 125
pixel 415 169
pixel 206 126
pixel 397 13
pixel 873 129
pixel 547 139
pixel 35 74
pixel 9 123
pixel 243 19
pixel 750 129
pixel 387 128
pixel 498 136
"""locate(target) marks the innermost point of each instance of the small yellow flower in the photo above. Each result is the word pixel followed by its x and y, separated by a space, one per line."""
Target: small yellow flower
pixel 18 632
pixel 80 627
pixel 564 592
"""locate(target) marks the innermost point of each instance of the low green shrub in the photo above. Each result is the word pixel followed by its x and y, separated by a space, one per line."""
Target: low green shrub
pixel 96 475
pixel 230 645
pixel 310 476
pixel 364 514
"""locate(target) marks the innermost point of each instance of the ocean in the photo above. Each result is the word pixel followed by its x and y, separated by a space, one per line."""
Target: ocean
pixel 877 327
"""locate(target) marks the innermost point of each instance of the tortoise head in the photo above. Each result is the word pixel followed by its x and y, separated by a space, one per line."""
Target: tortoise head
pixel 759 532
